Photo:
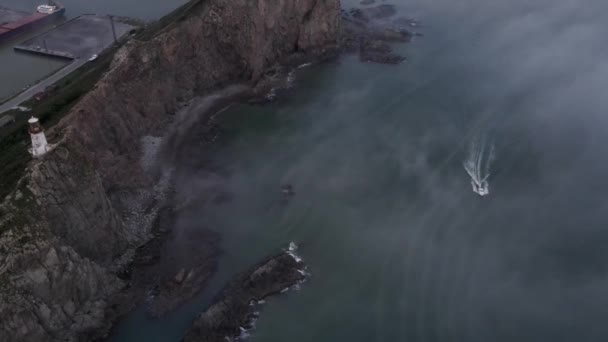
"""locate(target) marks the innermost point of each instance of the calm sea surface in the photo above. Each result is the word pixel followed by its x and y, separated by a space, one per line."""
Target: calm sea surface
pixel 399 246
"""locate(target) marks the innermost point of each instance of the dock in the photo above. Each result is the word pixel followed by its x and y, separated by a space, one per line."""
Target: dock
pixel 80 40
pixel 81 37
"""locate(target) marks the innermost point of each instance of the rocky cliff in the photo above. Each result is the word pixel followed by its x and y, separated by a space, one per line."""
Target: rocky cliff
pixel 236 309
pixel 63 231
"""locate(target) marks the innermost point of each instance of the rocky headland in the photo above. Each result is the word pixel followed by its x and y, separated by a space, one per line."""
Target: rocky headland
pixel 235 311
pixel 84 235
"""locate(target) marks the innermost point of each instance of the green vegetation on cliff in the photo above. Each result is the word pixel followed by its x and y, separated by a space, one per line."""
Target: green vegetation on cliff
pixel 14 139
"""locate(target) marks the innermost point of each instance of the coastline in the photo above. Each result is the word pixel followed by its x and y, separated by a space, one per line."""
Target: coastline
pixel 158 288
pixel 119 186
pixel 52 219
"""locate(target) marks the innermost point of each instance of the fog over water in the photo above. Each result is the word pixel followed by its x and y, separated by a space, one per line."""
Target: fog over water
pixel 399 246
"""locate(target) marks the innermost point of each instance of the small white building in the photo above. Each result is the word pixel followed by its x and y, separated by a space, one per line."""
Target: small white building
pixel 39 144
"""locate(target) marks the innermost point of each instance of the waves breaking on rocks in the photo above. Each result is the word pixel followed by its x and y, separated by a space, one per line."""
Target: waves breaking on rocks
pixel 233 316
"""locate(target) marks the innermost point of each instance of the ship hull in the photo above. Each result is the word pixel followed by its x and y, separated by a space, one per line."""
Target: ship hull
pixel 12 30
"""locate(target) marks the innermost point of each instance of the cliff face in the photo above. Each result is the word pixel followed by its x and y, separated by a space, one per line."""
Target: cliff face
pixel 62 231
pixel 221 42
pixel 75 204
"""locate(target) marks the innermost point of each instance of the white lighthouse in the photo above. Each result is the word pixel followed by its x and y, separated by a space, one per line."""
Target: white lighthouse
pixel 39 143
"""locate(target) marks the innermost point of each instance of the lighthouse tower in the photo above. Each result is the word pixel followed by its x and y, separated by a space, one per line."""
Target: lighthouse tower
pixel 39 143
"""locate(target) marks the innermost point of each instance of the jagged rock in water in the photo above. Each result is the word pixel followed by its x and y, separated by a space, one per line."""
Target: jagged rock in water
pixel 365 31
pixel 390 34
pixel 232 311
pixel 403 22
pixel 371 13
pixel 376 46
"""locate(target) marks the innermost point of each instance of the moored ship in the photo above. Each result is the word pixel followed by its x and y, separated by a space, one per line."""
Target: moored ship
pixel 44 14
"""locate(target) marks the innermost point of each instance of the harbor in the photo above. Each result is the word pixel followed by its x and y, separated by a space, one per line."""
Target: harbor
pixel 79 40
pixel 25 70
pixel 82 37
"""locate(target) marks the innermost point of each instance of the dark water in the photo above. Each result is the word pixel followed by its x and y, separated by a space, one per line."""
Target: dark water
pixel 399 246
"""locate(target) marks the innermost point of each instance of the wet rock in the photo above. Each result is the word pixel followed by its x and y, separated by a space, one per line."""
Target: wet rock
pixel 390 34
pixel 226 318
pixel 404 22
pixel 370 13
pixel 365 31
pixel 376 46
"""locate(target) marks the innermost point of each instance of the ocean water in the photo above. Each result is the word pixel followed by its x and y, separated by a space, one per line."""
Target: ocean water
pixel 399 246
pixel 25 69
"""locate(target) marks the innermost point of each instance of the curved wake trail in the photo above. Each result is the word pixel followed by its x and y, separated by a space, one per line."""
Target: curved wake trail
pixel 478 164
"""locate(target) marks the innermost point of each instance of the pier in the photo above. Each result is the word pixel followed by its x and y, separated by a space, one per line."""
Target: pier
pixel 81 37
pixel 79 40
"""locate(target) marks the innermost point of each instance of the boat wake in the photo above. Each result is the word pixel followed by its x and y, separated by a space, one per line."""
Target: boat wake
pixel 478 163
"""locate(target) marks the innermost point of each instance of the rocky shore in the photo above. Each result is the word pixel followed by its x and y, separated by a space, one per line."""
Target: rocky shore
pixel 370 31
pixel 159 277
pixel 83 237
pixel 234 312
pixel 81 212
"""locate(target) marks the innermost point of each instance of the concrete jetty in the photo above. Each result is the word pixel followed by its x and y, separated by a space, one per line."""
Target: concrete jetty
pixel 81 37
pixel 79 40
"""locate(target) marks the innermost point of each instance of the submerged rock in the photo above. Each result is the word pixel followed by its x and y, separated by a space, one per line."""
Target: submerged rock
pixel 376 46
pixel 405 22
pixel 379 52
pixel 235 308
pixel 390 34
